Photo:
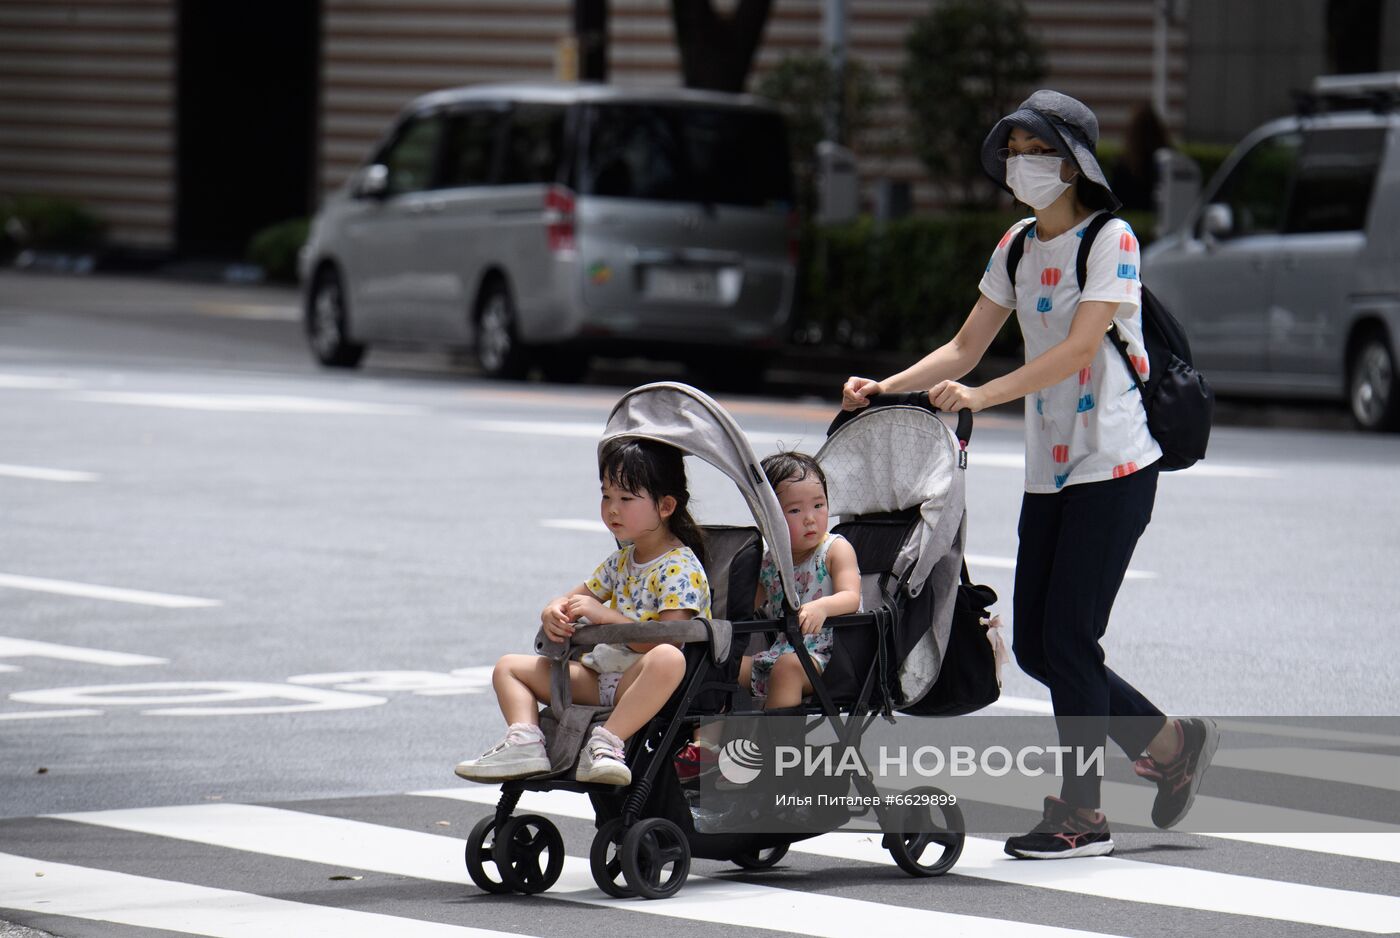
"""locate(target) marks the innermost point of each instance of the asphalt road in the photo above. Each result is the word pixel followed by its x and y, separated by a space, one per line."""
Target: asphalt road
pixel 229 578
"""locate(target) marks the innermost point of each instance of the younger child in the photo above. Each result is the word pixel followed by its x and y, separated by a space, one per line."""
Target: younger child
pixel 657 574
pixel 827 580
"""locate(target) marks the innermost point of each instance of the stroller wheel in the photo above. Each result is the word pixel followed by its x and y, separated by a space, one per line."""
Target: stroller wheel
pixel 935 840
pixel 529 853
pixel 762 859
pixel 605 860
pixel 481 855
pixel 655 858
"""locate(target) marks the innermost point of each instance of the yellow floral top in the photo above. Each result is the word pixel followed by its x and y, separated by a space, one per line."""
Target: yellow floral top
pixel 675 580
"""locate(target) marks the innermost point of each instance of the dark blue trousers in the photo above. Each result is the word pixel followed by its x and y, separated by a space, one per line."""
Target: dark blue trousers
pixel 1074 551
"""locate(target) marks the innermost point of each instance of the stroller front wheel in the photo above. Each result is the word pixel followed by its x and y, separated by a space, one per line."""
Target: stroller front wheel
pixel 761 859
pixel 930 845
pixel 655 858
pixel 529 853
pixel 481 851
pixel 605 860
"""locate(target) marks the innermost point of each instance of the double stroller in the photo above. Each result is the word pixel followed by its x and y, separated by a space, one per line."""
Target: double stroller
pixel 895 477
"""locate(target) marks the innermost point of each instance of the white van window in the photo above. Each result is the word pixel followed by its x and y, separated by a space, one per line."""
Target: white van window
pixel 411 156
pixel 1257 188
pixel 533 144
pixel 469 148
pixel 685 153
pixel 1336 175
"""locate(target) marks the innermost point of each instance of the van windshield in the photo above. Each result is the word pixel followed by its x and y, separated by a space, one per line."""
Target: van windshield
pixel 684 153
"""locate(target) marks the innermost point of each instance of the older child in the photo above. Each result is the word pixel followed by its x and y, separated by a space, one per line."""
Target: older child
pixel 657 575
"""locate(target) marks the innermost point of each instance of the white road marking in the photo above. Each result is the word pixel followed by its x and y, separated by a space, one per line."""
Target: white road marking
pixel 249 403
pixel 50 714
pixel 46 475
pixel 112 593
pixel 1106 877
pixel 1349 768
pixel 983 459
pixel 1308 732
pixel 32 383
pixel 589 431
pixel 27 648
pixel 575 524
pixel 1009 563
pixel 194 698
pixel 142 902
pixel 1024 705
pixel 334 841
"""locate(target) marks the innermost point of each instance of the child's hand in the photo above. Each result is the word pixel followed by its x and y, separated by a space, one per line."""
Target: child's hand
pixel 811 618
pixel 557 632
pixel 556 613
pixel 585 607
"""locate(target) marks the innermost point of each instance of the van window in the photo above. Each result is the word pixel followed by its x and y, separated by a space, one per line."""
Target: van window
pixel 410 157
pixel 683 153
pixel 1257 188
pixel 533 144
pixel 469 150
pixel 1336 175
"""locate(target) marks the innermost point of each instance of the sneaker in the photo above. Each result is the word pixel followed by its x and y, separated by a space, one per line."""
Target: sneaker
pixel 603 760
pixel 1062 833
pixel 520 754
pixel 1178 779
pixel 694 760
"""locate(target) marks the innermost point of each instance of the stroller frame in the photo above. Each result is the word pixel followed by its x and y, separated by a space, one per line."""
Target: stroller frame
pixel 645 839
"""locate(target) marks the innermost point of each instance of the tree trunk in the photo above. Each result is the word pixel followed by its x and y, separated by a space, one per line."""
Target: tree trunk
pixel 717 51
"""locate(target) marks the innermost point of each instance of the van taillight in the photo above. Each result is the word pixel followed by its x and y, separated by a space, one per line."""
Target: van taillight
pixel 794 232
pixel 559 218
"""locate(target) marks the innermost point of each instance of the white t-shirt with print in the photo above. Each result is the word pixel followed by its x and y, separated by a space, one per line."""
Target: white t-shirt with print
pixel 1091 426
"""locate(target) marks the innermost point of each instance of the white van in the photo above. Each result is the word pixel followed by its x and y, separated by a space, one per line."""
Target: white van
pixel 544 224
pixel 1286 274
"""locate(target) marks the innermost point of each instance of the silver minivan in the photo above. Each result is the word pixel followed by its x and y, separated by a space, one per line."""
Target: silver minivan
pixel 545 224
pixel 1286 274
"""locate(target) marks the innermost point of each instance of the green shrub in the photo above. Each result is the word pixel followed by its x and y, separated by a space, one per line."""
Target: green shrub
pixel 275 248
pixel 906 286
pixel 48 223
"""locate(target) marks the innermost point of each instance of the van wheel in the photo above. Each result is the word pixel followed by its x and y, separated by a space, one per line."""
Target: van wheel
pixel 326 323
pixel 1372 386
pixel 498 348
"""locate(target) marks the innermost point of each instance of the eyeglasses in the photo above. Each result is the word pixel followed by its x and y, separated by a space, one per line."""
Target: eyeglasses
pixel 1005 154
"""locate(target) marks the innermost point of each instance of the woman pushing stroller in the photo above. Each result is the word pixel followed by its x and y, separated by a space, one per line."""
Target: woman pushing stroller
pixel 1091 463
pixel 657 575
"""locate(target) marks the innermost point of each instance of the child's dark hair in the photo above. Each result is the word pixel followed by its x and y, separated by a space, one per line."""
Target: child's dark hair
pixel 658 469
pixel 792 466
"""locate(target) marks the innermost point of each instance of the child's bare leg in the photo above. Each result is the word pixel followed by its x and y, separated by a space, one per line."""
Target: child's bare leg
pixel 787 683
pixel 522 683
pixel 645 688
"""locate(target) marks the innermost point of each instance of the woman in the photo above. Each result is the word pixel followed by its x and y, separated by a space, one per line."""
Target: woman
pixel 1091 473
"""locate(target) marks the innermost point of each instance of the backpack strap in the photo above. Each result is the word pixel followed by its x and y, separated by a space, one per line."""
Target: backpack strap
pixel 1014 252
pixel 1086 244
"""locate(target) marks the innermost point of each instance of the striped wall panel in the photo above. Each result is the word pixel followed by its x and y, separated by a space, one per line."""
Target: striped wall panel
pixel 87 97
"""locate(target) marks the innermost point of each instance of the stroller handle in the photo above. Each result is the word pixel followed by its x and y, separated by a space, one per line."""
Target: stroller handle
pixel 906 399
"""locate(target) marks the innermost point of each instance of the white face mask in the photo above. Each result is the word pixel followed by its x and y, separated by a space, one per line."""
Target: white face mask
pixel 1035 180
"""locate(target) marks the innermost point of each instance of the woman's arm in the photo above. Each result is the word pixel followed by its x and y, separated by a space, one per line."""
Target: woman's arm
pixel 951 360
pixel 1055 364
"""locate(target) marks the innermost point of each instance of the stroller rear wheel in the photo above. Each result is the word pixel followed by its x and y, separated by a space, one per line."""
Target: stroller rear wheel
pixel 481 853
pixel 761 859
pixel 529 853
pixel 935 838
pixel 605 860
pixel 655 858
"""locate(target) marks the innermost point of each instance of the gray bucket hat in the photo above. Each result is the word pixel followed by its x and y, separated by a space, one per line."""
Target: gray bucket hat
pixel 1059 120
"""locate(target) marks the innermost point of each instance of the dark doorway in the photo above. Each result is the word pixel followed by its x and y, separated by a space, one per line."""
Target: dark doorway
pixel 245 118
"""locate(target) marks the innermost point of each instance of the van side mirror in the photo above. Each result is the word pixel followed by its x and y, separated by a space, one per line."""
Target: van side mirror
pixel 1218 221
pixel 372 182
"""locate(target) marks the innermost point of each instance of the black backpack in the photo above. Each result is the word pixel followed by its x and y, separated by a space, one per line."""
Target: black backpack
pixel 1178 399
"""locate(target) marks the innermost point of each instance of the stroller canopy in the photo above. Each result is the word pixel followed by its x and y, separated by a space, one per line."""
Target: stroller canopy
pixel 892 459
pixel 694 423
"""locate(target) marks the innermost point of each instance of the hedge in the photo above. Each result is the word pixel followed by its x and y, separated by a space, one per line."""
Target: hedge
pixel 905 286
pixel 49 223
pixel 275 248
